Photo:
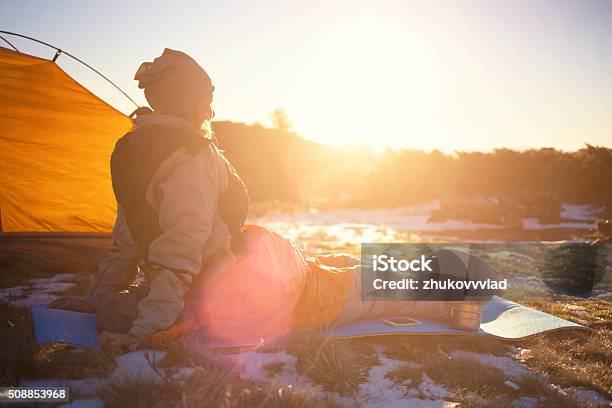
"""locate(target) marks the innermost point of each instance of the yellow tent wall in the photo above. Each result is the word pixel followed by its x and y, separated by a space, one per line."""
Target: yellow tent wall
pixel 56 138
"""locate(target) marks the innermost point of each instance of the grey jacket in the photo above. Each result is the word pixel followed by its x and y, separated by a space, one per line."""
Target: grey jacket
pixel 184 190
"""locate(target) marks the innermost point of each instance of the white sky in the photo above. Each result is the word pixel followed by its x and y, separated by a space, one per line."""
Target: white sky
pixel 449 75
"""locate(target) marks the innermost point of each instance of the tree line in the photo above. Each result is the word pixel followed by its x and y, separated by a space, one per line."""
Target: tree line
pixel 278 164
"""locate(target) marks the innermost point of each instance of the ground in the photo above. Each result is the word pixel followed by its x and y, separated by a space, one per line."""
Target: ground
pixel 552 370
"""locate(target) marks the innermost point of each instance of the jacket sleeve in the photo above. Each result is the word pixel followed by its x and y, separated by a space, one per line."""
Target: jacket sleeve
pixel 187 207
pixel 119 269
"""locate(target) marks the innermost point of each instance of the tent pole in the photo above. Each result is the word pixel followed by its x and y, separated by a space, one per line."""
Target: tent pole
pixel 9 43
pixel 59 51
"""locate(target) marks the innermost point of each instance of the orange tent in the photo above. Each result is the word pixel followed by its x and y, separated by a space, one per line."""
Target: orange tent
pixel 56 138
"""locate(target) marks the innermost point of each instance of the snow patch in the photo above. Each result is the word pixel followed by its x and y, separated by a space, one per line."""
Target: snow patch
pixel 378 391
pixel 585 396
pixel 581 212
pixel 431 390
pixel 533 224
pixel 419 403
pixel 7 293
pixel 252 364
pixel 508 255
pixel 527 402
pixel 381 392
pixel 52 287
pixel 363 224
pixel 138 364
pixel 62 277
pixel 37 291
pixel 35 299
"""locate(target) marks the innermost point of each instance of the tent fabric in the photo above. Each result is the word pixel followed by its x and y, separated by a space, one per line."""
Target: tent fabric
pixel 56 139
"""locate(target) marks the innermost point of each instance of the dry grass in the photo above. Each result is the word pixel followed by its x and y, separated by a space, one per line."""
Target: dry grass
pixel 571 362
pixel 15 271
pixel 274 368
pixel 567 359
pixel 222 389
pixel 535 386
pixel 593 313
pixel 338 365
pixel 17 344
pixel 84 277
pixel 212 387
pixel 407 374
pixel 65 361
pixel 564 359
pixel 130 392
pixel 419 348
pixel 575 358
pixel 467 374
pixel 475 384
pixel 21 358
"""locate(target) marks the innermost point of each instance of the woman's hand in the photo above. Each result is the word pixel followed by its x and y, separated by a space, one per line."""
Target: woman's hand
pixel 75 303
pixel 118 341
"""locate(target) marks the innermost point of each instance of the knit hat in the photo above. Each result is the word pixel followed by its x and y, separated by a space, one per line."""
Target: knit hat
pixel 174 83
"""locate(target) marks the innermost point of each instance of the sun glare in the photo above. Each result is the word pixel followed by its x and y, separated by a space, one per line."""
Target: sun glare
pixel 441 79
pixel 380 85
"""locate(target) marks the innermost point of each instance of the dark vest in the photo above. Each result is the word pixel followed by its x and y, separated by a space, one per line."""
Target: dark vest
pixel 136 158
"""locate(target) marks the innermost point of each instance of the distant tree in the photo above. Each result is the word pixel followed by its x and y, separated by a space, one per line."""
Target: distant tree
pixel 280 120
pixel 277 165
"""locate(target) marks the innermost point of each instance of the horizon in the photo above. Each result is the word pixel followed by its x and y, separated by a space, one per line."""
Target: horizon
pixel 359 146
pixel 524 75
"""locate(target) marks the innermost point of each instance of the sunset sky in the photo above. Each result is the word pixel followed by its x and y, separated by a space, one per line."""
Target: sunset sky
pixel 449 75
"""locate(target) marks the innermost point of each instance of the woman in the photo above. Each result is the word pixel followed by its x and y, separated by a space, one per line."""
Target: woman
pixel 180 220
pixel 180 206
pixel 275 290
